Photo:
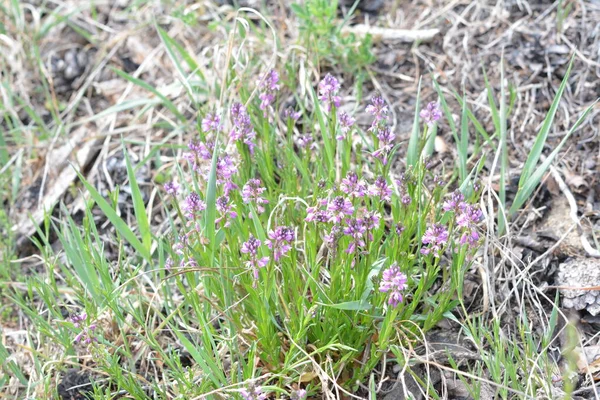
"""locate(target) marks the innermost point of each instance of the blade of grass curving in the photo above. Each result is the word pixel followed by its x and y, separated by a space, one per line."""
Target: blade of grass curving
pixel 138 204
pixel 542 136
pixel 11 366
pixel 529 186
pixel 171 43
pixel 115 220
pixel 138 82
pixel 412 154
pixel 476 124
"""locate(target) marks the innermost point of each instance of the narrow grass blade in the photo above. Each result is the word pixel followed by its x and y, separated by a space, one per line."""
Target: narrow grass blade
pixel 413 143
pixel 447 110
pixel 210 214
pixel 540 140
pixel 464 142
pixel 138 205
pixel 327 141
pixel 171 44
pixel 115 220
pixel 167 103
pixel 502 118
pixel 535 178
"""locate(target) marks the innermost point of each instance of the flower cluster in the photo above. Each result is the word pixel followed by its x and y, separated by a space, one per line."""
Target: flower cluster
pixel 252 193
pixel 253 393
pixel 435 237
pixel 346 122
pixel 393 281
pixel 431 113
pixel 242 127
pixel 193 205
pixel 251 247
pixel 269 86
pixel 455 203
pixel 383 133
pixel 86 336
pixel 468 219
pixel 280 240
pixel 352 186
pixel 328 89
pixel 211 123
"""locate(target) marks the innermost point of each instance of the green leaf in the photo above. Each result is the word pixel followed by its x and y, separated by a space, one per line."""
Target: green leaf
pixel 542 136
pixel 138 205
pixel 356 305
pixel 115 220
pixel 167 103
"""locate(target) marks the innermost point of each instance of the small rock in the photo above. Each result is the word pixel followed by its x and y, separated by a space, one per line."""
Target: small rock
pixel 580 272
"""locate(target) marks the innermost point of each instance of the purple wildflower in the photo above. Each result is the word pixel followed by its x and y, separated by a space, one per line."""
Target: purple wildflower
pixel 252 192
pixel 290 113
pixel 192 205
pixel 169 263
pixel 399 228
pixel 377 108
pixel 468 220
pixel 456 202
pixel 251 248
pixel 435 237
pixel 268 88
pixel 86 336
pixel 406 199
pixel 298 394
pixel 371 220
pixel 242 126
pixel 394 282
pixel 253 393
pixel 352 186
pixel 328 89
pixel 332 237
pixel 386 143
pixel 198 153
pixel 280 240
pixel 172 188
pixel 316 214
pixel 381 189
pixel 305 140
pixel 346 122
pixel 355 228
pixel 211 122
pixel 431 113
pixel 338 208
pixel 226 211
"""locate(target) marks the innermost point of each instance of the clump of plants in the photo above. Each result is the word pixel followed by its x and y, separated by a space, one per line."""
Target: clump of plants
pixel 304 238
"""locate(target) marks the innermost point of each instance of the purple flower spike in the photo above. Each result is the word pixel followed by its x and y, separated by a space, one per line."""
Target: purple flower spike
pixel 386 143
pixel 253 393
pixel 280 240
pixel 468 220
pixel 381 189
pixel 211 123
pixel 252 192
pixel 328 89
pixel 393 281
pixel 431 113
pixel 456 202
pixel 352 186
pixel 378 109
pixel 268 87
pixel 172 188
pixel 435 238
pixel 242 126
pixel 299 394
pixel 251 248
pixel 192 205
pixel 355 228
pixel 290 113
pixel 226 210
pixel 338 208
pixel 346 122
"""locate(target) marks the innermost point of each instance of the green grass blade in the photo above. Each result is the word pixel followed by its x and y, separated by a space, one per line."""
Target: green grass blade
pixel 115 220
pixel 210 214
pixel 502 118
pixel 327 141
pixel 412 154
pixel 529 186
pixel 138 205
pixel 138 82
pixel 464 142
pixel 171 44
pixel 447 111
pixel 542 136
